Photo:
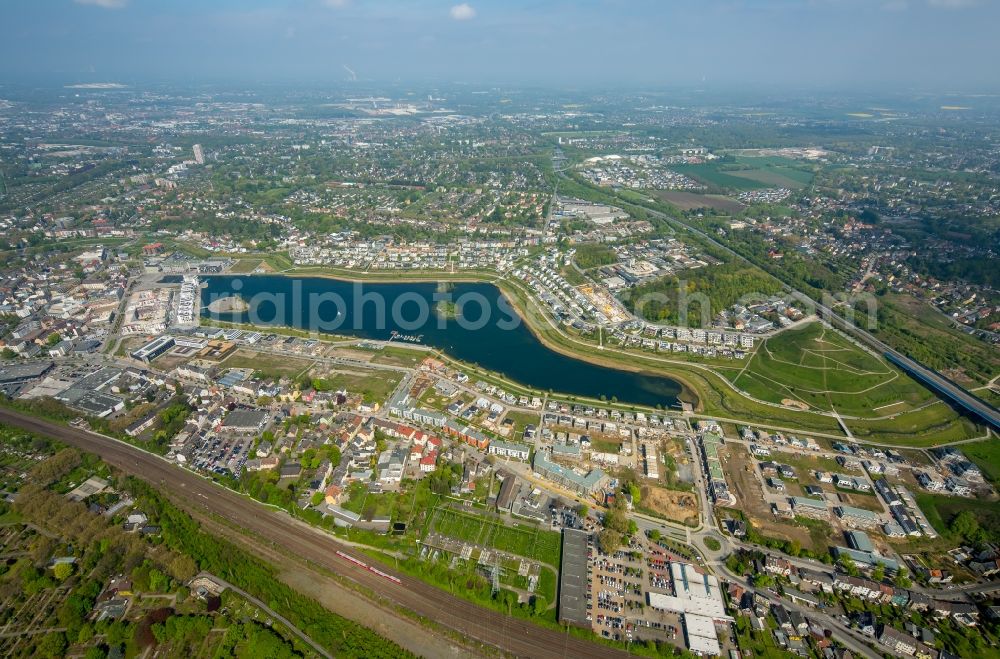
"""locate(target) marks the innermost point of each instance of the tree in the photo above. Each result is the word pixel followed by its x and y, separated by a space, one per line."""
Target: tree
pixel 55 467
pixel 635 492
pixel 62 571
pixel 878 572
pixel 615 520
pixel 964 524
pixel 182 567
pixel 85 635
pixel 158 581
pixel 582 510
pixel 53 645
pixel 847 564
pixel 737 563
pixel 73 612
pixel 609 540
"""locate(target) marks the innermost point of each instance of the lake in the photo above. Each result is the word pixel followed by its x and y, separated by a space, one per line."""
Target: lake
pixel 475 323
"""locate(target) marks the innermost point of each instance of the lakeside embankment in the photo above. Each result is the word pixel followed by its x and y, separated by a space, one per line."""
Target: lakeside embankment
pixel 506 344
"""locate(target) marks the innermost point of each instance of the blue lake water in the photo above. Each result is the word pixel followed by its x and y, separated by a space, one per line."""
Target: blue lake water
pixel 490 334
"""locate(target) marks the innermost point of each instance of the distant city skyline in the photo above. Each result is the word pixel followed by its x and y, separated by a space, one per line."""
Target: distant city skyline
pixel 932 44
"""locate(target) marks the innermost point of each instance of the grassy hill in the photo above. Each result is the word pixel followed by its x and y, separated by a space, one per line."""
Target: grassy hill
pixel 822 369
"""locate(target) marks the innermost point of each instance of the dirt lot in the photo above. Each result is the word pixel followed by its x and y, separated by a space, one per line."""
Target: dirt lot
pixel 130 343
pixel 739 466
pixel 170 361
pixel 678 473
pixel 346 353
pixel 866 501
pixel 680 506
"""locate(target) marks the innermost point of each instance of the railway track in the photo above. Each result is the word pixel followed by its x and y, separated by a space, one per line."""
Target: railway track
pixel 511 635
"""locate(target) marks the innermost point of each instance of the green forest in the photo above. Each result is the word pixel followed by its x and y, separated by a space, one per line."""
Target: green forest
pixel 668 299
pixel 161 566
pixel 592 255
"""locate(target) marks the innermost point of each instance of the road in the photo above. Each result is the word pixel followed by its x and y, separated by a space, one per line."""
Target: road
pixel 928 377
pixel 490 627
pixel 269 611
pixel 850 638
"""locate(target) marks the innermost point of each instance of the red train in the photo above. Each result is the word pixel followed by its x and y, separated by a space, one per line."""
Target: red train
pixel 368 567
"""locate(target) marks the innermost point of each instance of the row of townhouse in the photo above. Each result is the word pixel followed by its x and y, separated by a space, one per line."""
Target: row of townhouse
pixel 469 435
pixel 911 599
pixel 857 517
pixel 510 450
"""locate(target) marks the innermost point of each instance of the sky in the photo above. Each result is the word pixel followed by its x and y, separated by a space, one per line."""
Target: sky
pixel 940 45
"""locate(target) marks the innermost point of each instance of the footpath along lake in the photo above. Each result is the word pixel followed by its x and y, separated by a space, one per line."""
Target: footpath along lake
pixel 488 332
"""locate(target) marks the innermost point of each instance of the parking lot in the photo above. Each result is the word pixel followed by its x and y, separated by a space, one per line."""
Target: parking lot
pixel 221 453
pixel 617 585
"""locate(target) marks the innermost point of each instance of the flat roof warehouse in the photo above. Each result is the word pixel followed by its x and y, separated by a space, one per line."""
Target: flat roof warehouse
pixel 573 578
pixel 698 599
pixel 23 372
pixel 701 636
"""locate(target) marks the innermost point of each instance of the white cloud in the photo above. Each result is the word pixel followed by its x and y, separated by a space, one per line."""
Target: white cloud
pixel 463 12
pixel 104 4
pixel 952 4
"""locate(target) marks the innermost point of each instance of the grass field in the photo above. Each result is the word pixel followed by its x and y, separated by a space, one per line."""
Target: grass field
pixel 991 396
pixel 711 175
pixel 986 454
pixel 749 173
pixel 521 419
pixel 929 426
pixel 398 356
pixel 924 328
pixel 941 509
pixel 524 540
pixel 374 386
pixel 820 368
pixel 268 364
pixel 775 171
